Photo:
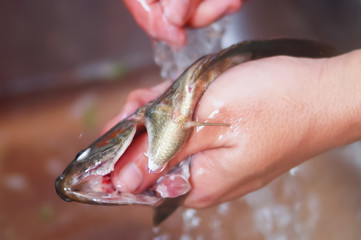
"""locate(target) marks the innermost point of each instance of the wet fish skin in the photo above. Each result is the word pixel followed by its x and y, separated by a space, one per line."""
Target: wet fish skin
pixel 166 121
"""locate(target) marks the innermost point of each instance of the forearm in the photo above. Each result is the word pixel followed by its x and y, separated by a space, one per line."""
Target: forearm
pixel 337 107
pixel 347 70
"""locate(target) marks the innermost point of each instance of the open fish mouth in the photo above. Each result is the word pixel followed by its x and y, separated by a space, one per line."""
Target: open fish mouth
pixel 87 179
pixel 99 190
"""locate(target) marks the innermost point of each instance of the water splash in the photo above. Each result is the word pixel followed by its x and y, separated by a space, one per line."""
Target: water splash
pixel 297 205
pixel 190 219
pixel 199 43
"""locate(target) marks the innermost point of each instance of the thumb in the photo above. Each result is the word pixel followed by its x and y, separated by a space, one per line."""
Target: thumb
pixel 136 99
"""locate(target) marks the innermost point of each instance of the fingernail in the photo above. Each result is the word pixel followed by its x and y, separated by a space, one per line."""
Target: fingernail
pixel 129 108
pixel 128 179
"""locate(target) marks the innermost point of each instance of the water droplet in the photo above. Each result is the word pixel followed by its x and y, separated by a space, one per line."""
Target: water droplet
pixel 215 112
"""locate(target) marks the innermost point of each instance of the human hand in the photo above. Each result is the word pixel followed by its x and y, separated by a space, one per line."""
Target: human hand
pixel 165 20
pixel 281 111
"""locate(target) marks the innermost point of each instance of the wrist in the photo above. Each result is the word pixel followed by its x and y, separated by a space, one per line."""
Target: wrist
pixel 341 99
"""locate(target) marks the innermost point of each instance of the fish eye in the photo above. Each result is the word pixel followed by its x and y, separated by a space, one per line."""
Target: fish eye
pixel 82 154
pixel 78 154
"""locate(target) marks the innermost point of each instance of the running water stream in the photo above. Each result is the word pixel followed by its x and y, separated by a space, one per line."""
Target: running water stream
pixel 200 42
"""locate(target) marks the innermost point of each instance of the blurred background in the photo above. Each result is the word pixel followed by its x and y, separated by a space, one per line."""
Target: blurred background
pixel 66 68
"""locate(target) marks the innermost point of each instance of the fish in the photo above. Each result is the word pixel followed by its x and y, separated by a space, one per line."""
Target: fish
pixel 169 123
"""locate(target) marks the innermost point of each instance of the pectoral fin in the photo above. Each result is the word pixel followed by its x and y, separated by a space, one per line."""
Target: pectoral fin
pixel 166 209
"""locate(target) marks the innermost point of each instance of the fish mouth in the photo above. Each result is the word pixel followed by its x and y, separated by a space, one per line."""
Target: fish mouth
pixel 60 189
pixel 87 179
pixel 94 186
pixel 99 190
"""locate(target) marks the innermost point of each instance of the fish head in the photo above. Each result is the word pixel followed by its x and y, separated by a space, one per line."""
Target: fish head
pixel 87 177
pixel 85 183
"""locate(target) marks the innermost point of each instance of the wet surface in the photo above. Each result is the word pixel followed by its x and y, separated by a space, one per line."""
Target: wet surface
pixel 40 134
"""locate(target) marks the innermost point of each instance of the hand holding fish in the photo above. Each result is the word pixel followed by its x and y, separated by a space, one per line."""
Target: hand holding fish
pixel 165 20
pixel 267 115
pixel 281 111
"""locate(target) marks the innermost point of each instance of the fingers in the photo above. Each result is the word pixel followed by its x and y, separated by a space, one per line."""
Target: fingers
pixel 197 13
pixel 178 12
pixel 209 11
pixel 216 177
pixel 139 97
pixel 149 16
pixel 129 170
pixel 151 1
pixel 136 99
pixel 165 19
pixel 209 179
pixel 131 173
pixel 160 88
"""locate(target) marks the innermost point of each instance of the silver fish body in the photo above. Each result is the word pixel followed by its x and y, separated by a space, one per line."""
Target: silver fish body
pixel 166 119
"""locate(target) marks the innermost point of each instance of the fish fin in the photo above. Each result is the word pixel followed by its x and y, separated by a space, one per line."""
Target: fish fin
pixel 168 206
pixel 198 124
